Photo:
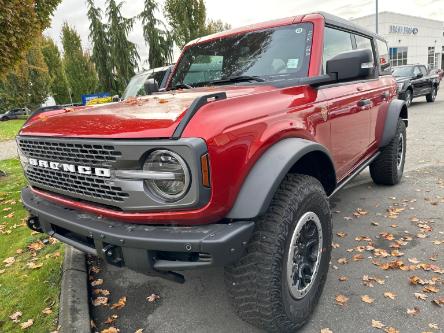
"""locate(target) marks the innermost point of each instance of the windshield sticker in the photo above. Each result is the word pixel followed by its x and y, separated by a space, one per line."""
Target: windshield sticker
pixel 292 63
pixel 299 30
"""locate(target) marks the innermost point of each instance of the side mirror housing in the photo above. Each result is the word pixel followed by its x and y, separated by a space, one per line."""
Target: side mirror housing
pixel 151 86
pixel 351 65
pixel 116 98
pixel 419 75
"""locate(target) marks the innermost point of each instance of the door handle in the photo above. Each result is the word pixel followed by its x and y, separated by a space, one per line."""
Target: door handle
pixel 364 102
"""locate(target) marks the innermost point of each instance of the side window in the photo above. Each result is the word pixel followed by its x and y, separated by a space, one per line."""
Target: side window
pixel 416 71
pixel 384 58
pixel 423 70
pixel 335 42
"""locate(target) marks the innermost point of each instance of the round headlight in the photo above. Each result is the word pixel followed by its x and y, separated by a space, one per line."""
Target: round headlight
pixel 170 174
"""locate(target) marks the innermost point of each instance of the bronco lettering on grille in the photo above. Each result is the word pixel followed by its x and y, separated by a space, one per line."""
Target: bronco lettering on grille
pixel 80 169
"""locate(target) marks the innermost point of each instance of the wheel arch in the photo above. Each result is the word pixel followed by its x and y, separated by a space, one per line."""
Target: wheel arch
pixel 397 109
pixel 292 155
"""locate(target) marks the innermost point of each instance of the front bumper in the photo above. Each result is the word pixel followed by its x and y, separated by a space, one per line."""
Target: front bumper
pixel 144 248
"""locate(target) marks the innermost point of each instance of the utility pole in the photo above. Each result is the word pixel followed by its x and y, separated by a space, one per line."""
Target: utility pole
pixel 376 16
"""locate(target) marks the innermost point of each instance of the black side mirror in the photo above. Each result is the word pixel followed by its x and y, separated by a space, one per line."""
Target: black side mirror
pixel 151 86
pixel 419 75
pixel 351 65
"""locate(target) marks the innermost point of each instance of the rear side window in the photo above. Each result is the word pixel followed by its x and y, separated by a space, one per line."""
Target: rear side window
pixel 384 58
pixel 335 42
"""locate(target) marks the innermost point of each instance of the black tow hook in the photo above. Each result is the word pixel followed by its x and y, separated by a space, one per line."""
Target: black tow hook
pixel 34 224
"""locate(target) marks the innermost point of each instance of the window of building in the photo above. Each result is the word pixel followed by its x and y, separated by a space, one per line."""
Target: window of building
pixel 398 56
pixel 384 58
pixel 431 57
pixel 335 42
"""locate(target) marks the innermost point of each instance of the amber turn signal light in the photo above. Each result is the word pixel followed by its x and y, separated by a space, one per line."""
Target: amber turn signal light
pixel 205 164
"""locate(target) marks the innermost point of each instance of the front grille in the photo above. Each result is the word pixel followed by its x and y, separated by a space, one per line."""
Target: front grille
pixel 85 185
pixel 76 153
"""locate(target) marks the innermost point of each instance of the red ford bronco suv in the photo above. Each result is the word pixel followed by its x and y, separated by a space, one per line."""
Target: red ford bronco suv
pixel 233 165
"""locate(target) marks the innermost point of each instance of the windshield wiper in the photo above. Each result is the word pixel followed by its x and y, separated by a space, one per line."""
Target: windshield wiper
pixel 240 78
pixel 181 86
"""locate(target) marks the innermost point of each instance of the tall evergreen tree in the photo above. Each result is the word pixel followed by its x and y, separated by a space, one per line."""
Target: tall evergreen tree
pixel 79 68
pixel 159 41
pixel 58 84
pixel 123 53
pixel 187 19
pixel 99 38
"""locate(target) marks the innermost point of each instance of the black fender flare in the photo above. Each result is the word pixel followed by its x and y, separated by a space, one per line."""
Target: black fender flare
pixel 268 173
pixel 397 109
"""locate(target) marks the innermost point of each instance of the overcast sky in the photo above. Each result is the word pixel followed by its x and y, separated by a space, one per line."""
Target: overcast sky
pixel 243 12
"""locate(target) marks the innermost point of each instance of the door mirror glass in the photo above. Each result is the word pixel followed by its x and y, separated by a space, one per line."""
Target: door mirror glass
pixel 351 65
pixel 419 75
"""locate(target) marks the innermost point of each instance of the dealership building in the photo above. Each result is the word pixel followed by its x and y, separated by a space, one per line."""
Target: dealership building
pixel 411 39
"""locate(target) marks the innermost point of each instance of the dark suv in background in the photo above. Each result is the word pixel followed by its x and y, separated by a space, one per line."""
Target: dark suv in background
pixel 415 81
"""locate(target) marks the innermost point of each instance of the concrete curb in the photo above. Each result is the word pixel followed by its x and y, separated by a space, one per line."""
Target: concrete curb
pixel 74 309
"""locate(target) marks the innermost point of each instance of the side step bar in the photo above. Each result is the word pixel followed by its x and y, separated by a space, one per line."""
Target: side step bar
pixel 357 171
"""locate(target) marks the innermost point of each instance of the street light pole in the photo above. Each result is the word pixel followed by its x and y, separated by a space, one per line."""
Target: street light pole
pixel 376 16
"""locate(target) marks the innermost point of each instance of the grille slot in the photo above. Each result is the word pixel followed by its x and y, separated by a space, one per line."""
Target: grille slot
pixel 76 153
pixel 85 185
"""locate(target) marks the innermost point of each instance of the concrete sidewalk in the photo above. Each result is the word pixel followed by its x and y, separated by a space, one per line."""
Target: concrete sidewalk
pixel 8 149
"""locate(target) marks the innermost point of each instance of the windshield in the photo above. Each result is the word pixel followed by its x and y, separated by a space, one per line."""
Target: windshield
pixel 269 54
pixel 406 71
pixel 136 86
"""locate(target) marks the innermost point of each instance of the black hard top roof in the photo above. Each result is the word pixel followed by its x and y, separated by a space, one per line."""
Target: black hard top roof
pixel 348 25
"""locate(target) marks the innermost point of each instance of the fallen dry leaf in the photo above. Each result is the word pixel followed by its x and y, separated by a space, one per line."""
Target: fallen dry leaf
pixel 100 301
pixel 343 278
pixel 390 295
pixel 152 298
pixel 9 261
pixel 326 330
pixel 140 330
pixel 413 312
pixel 33 265
pixel 36 246
pixel 103 292
pixel 341 234
pixel 111 319
pixel 430 289
pixel 26 324
pixel 342 261
pixel 391 330
pixel 367 299
pixel 377 324
pixel 120 303
pixel 413 260
pixel 110 330
pixel 47 311
pixel 358 257
pixel 439 301
pixel 420 296
pixel 15 316
pixel 434 326
pixel 97 282
pixel 341 299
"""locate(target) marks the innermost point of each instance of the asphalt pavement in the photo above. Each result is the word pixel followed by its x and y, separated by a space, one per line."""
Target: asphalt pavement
pixel 410 214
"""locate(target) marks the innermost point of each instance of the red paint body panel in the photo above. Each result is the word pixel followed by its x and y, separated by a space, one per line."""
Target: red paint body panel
pixel 237 130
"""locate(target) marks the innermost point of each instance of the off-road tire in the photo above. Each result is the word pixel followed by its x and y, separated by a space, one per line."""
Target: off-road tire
pixel 384 170
pixel 257 284
pixel 432 96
